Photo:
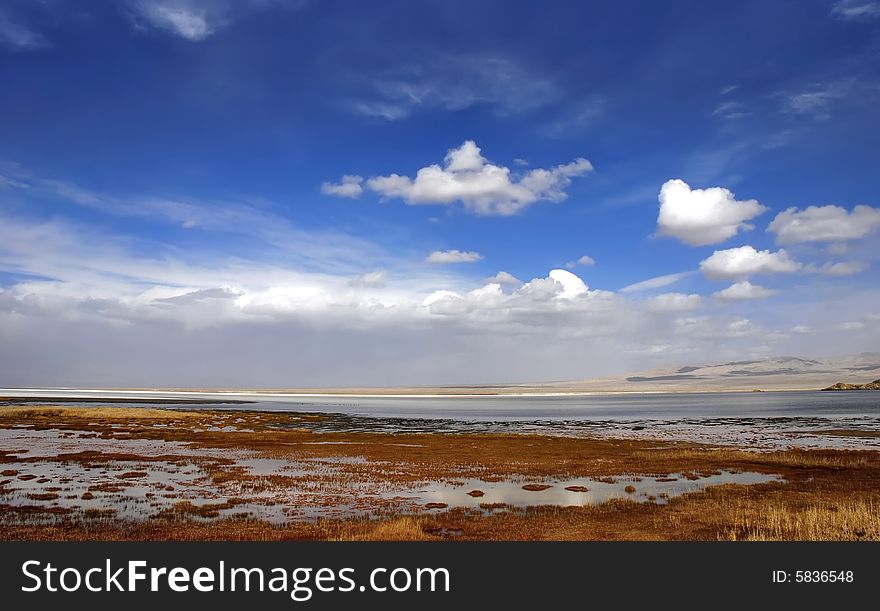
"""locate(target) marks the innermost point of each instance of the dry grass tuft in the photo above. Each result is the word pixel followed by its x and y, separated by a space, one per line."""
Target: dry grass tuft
pixel 827 521
pixel 398 529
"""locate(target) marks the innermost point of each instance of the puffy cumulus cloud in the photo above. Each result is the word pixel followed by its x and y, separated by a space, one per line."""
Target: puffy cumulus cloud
pixel 560 295
pixel 586 261
pixel 702 216
pixel 675 302
pixel 453 256
pixel 572 286
pixel 482 187
pixel 505 278
pixel 842 268
pixel 824 224
pixel 746 261
pixel 349 186
pixel 744 291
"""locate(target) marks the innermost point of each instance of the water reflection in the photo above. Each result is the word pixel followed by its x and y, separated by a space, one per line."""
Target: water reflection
pixel 575 492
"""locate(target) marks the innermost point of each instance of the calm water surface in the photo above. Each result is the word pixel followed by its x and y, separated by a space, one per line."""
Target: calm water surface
pixel 761 419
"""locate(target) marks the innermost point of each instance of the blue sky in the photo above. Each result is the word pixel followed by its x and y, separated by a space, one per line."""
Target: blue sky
pixel 171 178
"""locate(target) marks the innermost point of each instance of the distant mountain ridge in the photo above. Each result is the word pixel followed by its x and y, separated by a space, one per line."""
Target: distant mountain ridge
pixel 773 373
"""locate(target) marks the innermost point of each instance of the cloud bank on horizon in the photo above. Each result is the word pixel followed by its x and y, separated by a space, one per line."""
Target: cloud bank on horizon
pixel 263 198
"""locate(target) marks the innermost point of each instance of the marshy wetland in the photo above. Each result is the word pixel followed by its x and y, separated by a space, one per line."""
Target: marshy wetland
pixel 90 470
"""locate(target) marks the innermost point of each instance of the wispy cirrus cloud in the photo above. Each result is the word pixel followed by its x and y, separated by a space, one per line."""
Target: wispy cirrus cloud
pixel 730 110
pixel 856 9
pixel 15 34
pixel 251 219
pixel 195 20
pixel 656 282
pixel 818 100
pixel 431 80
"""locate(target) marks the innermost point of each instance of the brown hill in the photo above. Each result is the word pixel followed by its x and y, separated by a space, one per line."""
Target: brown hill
pixel 875 385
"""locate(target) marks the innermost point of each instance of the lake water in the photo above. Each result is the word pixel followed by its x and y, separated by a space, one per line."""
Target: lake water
pixel 759 419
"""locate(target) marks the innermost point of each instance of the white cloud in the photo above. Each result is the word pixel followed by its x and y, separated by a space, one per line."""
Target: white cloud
pixel 195 20
pixel 856 9
pixel 252 218
pixel 315 308
pixel 189 19
pixel 801 329
pixel 656 282
pixel 370 279
pixel 702 216
pixel 453 256
pixel 731 110
pixel 484 188
pixel 448 82
pixel 586 261
pixel 824 224
pixel 675 302
pixel 851 326
pixel 536 302
pixel 572 122
pixel 744 291
pixel 814 102
pixel 504 278
pixel 819 100
pixel 843 268
pixel 572 286
pixel 745 261
pixel 349 186
pixel 19 37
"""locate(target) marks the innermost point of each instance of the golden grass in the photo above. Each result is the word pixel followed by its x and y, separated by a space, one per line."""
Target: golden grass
pixel 823 521
pixel 407 528
pixel 786 458
pixel 92 413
